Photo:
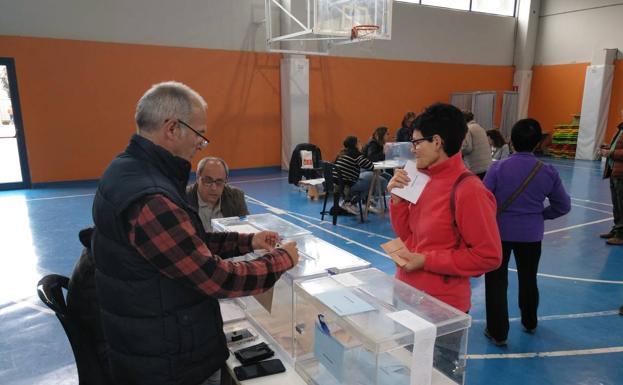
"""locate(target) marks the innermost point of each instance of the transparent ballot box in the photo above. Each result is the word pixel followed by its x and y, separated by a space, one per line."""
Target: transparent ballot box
pixel 398 150
pixel 258 222
pixel 366 327
pixel 273 310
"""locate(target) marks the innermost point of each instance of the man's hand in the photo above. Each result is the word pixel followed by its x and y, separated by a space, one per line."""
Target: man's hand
pixel 605 152
pixel 291 248
pixel 399 180
pixel 265 240
pixel 414 261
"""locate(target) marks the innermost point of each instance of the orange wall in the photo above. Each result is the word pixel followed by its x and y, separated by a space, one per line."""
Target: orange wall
pixel 616 101
pixel 78 100
pixel 354 96
pixel 556 93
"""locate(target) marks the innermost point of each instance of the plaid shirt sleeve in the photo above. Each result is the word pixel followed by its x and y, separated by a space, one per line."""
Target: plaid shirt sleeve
pixel 163 234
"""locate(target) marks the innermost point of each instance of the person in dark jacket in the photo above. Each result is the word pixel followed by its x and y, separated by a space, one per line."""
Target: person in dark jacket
pixel 211 194
pixel 373 150
pixel 405 132
pixel 159 275
pixel 614 171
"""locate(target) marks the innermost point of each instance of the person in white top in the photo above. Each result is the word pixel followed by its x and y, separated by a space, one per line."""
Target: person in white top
pixel 499 148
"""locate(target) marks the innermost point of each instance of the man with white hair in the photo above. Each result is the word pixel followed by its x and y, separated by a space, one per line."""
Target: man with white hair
pixel 211 194
pixel 158 275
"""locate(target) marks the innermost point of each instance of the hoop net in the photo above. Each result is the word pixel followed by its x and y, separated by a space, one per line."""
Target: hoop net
pixel 363 32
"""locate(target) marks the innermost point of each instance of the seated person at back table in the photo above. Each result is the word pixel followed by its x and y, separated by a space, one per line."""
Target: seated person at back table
pixel 211 194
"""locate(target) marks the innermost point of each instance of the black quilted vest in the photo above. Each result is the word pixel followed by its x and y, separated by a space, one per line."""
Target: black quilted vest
pixel 159 330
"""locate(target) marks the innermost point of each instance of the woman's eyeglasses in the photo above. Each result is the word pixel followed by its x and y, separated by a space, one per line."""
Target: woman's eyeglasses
pixel 415 142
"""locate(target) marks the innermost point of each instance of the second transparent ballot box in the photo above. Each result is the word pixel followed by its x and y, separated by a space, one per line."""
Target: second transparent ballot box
pixel 366 327
pixel 398 150
pixel 273 310
pixel 258 222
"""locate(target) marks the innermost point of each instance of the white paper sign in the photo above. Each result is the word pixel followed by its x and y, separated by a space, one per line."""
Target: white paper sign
pixel 419 180
pixel 424 334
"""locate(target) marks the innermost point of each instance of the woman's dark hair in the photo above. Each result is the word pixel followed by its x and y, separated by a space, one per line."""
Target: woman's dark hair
pixel 446 121
pixel 496 138
pixel 526 135
pixel 405 120
pixel 379 134
pixel 350 147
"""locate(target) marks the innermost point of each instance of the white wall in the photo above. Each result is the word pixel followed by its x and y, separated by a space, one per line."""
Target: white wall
pixel 419 33
pixel 570 31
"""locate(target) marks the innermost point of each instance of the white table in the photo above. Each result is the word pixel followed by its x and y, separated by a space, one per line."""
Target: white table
pixel 289 377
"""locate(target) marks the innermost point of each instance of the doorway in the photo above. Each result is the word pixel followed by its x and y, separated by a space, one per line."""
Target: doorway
pixel 14 173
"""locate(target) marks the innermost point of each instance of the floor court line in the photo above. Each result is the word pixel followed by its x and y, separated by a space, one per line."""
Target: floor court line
pixel 576 278
pixel 554 317
pixel 266 205
pixel 578 226
pixel 591 208
pixel 561 353
pixel 590 201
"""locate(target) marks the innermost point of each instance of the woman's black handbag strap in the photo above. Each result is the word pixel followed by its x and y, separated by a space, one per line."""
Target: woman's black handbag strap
pixel 520 189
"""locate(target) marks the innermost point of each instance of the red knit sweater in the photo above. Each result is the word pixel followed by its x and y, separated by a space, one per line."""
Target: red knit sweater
pixel 426 228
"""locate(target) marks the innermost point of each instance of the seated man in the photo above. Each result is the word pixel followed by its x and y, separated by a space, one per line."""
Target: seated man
pixel 211 194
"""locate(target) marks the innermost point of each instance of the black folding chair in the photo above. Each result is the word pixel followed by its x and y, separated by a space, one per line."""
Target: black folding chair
pixel 90 372
pixel 337 189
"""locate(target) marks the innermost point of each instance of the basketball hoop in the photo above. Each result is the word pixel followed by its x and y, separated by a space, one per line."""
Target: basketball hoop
pixel 363 32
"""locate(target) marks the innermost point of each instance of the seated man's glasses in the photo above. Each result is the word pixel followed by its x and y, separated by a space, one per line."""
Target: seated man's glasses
pixel 415 142
pixel 204 141
pixel 207 181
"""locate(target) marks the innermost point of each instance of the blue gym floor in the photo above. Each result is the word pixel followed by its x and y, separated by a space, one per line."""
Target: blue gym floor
pixel 579 339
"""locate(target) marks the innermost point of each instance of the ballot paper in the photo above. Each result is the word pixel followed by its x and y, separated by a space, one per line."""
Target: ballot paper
pixel 392 248
pixel 418 182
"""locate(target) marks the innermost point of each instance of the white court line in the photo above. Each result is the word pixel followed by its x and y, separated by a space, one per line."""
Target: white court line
pixel 593 209
pixel 257 180
pixel 266 205
pixel 561 353
pixel 576 279
pixel 562 316
pixel 577 226
pixel 590 201
pixel 369 233
pixel 60 197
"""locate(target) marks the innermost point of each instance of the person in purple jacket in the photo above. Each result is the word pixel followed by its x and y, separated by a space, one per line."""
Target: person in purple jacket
pixel 521 226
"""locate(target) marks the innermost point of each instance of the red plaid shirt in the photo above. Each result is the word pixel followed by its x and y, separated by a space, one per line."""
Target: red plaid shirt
pixel 164 235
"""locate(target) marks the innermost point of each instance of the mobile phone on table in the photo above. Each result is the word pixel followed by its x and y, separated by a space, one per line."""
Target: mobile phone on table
pixel 254 353
pixel 239 336
pixel 259 369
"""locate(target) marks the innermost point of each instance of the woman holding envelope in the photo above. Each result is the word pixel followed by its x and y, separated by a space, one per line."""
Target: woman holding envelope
pixel 450 230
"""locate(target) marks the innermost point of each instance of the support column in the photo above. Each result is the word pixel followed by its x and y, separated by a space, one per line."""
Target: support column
pixel 595 104
pixel 525 46
pixel 294 105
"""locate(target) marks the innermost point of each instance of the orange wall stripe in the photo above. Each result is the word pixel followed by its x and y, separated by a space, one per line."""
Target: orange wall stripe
pixel 354 96
pixel 556 93
pixel 78 98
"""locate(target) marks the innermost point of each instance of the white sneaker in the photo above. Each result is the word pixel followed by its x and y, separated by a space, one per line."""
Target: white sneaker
pixel 351 208
pixel 375 210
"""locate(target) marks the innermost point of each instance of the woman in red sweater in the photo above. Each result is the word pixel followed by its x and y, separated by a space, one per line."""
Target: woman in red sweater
pixel 445 250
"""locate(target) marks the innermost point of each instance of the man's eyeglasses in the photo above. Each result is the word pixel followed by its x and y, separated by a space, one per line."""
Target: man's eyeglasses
pixel 207 181
pixel 204 141
pixel 415 142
